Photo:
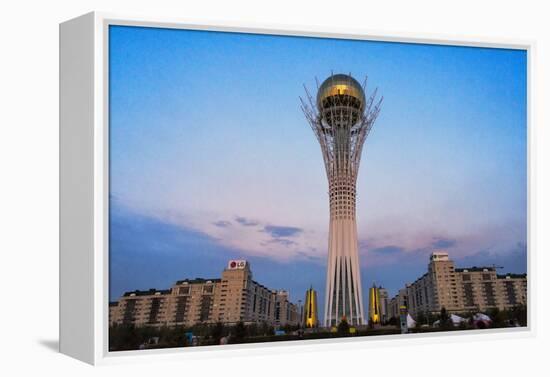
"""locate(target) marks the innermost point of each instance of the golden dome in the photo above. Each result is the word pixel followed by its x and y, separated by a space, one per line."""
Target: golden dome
pixel 340 85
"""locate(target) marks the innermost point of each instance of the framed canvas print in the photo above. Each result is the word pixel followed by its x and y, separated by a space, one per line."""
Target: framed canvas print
pixel 224 188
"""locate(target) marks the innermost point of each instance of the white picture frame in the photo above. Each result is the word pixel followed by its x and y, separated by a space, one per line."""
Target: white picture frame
pixel 84 185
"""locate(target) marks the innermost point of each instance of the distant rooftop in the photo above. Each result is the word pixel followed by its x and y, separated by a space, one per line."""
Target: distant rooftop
pixel 439 256
pixel 512 276
pixel 150 292
pixel 420 278
pixel 198 281
pixel 475 269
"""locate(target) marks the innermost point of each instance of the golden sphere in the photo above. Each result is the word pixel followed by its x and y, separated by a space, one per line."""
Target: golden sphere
pixel 340 86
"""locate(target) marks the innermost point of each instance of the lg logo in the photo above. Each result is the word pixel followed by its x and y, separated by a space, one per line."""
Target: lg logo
pixel 237 264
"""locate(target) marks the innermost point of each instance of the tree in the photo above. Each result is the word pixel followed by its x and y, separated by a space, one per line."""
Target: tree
pixel 343 327
pixel 201 329
pixel 172 336
pixel 240 331
pixel 217 332
pixel 519 313
pixel 252 329
pixel 393 321
pixel 444 319
pixel 420 319
pixel 266 329
pixel 499 317
pixel 430 318
pixel 123 337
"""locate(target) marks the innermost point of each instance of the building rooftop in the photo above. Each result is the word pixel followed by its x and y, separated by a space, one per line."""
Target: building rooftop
pixel 420 278
pixel 475 269
pixel 150 292
pixel 439 256
pixel 264 287
pixel 512 276
pixel 198 281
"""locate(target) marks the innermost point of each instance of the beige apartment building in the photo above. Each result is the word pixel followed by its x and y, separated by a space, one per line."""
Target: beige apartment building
pixel 285 311
pixel 399 300
pixel 384 304
pixel 483 288
pixel 437 288
pixel 460 290
pixel 233 298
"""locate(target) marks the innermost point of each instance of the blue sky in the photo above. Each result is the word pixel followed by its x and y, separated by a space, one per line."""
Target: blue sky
pixel 211 158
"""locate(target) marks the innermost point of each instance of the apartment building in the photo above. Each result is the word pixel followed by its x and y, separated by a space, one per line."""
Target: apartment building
pixel 459 290
pixel 384 304
pixel 232 298
pixel 399 300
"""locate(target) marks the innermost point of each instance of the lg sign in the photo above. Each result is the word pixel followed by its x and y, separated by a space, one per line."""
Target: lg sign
pixel 236 264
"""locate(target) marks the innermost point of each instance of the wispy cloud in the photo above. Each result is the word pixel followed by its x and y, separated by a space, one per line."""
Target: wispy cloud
pixel 246 222
pixel 282 231
pixel 280 236
pixel 443 243
pixel 280 241
pixel 222 223
pixel 148 252
pixel 391 264
pixel 388 250
pixel 251 235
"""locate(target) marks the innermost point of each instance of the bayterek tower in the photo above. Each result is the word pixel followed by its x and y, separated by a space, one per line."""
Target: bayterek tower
pixel 341 118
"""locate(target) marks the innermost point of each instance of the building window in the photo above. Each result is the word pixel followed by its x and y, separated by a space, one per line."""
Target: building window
pixel 205 308
pixel 184 290
pixel 510 293
pixel 488 288
pixel 129 312
pixel 181 308
pixel 468 295
pixel 155 308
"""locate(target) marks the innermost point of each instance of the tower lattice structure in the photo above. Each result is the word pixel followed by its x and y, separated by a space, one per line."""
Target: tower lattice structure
pixel 341 118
